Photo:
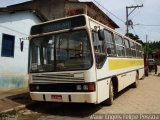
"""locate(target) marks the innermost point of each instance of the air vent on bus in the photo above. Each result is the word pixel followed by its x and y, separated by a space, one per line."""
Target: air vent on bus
pixel 58 78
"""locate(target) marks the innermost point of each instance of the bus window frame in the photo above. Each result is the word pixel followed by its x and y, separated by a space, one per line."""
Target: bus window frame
pixel 66 31
pixel 96 53
pixel 128 55
pixel 110 43
pixel 121 45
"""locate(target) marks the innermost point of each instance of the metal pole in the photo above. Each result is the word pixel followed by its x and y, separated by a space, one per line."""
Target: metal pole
pixel 127 15
pixel 146 46
pixel 127 21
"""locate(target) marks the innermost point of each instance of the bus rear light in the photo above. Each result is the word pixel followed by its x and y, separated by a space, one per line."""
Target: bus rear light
pixel 91 87
pixel 86 87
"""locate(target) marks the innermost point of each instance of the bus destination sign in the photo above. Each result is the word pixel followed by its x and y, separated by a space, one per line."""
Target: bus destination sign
pixel 68 23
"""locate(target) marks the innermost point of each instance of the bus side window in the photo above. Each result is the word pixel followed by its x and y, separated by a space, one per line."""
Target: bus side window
pixel 128 49
pixel 139 52
pixel 119 45
pixel 133 49
pixel 98 45
pixel 99 50
pixel 110 45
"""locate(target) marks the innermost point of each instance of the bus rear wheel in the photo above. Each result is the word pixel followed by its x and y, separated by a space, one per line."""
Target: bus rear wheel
pixel 109 101
pixel 135 84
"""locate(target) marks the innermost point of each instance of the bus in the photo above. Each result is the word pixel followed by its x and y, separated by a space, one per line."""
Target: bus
pixel 77 59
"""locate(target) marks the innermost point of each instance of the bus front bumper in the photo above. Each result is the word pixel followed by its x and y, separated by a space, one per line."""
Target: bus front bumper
pixel 83 97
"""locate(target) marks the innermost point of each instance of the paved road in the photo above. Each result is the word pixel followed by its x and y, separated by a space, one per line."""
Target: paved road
pixel 142 100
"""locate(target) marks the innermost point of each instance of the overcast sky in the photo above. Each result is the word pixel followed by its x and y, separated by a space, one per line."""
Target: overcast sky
pixel 146 19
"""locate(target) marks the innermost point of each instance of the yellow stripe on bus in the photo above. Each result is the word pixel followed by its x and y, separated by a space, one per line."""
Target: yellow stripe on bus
pixel 121 63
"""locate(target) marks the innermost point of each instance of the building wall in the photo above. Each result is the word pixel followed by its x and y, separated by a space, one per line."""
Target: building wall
pixel 13 70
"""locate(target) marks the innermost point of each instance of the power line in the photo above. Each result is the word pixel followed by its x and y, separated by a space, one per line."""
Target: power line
pixel 109 11
pixel 149 25
pixel 134 31
pixel 13 30
pixel 138 13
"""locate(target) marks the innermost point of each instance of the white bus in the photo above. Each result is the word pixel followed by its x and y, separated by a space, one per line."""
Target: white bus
pixel 79 60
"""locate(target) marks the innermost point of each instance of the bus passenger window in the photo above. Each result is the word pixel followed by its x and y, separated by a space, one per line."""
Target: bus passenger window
pixel 110 45
pixel 119 45
pixel 128 49
pixel 133 49
pixel 99 48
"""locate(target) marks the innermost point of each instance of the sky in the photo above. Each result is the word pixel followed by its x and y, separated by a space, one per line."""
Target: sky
pixel 146 19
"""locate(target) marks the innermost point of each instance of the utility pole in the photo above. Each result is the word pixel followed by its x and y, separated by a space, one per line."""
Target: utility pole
pixel 146 46
pixel 129 22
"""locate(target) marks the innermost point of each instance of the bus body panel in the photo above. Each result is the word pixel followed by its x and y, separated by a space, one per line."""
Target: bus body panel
pixel 75 97
pixel 125 69
pixel 103 90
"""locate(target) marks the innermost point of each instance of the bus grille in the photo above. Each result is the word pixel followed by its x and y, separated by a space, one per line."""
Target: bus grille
pixel 58 78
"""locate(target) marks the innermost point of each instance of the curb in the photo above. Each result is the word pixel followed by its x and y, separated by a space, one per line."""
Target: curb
pixel 17 108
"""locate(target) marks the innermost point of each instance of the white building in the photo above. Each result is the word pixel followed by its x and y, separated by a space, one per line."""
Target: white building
pixel 14 63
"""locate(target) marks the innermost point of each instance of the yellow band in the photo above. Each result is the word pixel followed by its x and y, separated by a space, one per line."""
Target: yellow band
pixel 115 64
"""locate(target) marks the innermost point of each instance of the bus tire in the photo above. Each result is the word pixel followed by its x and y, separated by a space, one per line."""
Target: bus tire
pixel 109 101
pixel 135 84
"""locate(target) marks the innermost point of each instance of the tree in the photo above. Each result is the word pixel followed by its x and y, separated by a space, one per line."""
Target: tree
pixel 152 47
pixel 132 36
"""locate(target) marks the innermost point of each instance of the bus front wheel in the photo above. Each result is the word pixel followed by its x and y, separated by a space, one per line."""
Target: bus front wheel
pixel 109 101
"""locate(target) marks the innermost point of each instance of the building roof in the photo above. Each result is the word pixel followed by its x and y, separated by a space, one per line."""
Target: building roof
pixel 91 4
pixel 27 6
pixel 36 12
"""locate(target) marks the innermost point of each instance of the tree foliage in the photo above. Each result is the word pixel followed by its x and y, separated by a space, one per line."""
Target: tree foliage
pixel 149 47
pixel 132 36
pixel 152 46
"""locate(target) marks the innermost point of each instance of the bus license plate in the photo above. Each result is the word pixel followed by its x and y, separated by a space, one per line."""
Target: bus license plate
pixel 56 97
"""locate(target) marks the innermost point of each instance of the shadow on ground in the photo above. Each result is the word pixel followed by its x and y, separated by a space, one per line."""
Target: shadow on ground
pixel 79 110
pixel 22 98
pixel 65 109
pixel 76 110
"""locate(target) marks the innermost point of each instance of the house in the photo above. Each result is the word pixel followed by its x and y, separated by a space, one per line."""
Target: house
pixel 15 23
pixel 14 26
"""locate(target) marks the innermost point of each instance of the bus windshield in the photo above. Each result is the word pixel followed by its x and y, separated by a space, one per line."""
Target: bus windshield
pixel 60 52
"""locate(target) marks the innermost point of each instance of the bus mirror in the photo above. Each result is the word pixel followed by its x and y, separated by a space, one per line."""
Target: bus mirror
pixel 21 45
pixel 101 34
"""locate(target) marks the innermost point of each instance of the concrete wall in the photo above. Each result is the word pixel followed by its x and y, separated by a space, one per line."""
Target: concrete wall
pixel 13 70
